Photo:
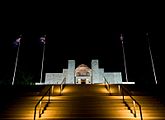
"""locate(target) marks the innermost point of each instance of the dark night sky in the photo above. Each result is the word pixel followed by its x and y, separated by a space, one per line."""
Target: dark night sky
pixel 82 32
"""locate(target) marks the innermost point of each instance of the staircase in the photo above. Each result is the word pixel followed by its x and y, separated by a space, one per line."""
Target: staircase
pixel 85 101
pixel 152 108
pixel 22 108
pixel 20 102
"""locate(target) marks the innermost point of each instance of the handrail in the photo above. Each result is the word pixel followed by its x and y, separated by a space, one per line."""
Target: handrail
pixel 40 102
pixel 107 85
pixel 133 100
pixel 62 85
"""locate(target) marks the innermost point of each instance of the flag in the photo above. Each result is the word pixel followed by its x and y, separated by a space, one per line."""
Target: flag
pixel 17 41
pixel 43 39
pixel 121 38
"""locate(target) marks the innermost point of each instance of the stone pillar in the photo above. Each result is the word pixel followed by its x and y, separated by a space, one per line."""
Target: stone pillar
pixel 101 75
pixel 95 71
pixel 71 70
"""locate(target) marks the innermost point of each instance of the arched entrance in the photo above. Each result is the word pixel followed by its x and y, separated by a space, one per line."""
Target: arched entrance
pixel 83 74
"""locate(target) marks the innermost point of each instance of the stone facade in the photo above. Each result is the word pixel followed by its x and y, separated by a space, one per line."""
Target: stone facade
pixel 96 75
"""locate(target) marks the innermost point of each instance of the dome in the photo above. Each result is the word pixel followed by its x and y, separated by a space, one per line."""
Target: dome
pixel 83 70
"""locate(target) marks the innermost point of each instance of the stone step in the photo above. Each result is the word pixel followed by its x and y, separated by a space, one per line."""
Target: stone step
pixel 67 114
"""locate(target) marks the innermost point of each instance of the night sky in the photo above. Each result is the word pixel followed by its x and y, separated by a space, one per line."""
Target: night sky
pixel 82 32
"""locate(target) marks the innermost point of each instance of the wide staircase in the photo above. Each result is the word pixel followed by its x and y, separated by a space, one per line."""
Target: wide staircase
pixel 85 101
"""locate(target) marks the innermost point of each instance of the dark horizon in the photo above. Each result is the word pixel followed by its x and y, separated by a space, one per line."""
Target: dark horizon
pixel 82 33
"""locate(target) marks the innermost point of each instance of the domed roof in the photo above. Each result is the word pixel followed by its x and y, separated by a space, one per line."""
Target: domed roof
pixel 82 70
pixel 82 65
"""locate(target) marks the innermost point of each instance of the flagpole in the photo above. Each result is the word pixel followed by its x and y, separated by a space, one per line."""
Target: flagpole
pixel 16 61
pixel 125 66
pixel 43 57
pixel 152 62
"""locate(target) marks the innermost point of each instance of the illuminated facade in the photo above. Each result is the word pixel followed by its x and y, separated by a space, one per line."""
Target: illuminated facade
pixel 84 75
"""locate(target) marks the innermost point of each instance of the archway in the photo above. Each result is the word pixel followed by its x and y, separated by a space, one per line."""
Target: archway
pixel 83 74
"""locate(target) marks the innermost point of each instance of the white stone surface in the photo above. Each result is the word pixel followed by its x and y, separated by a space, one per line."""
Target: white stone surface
pixel 113 77
pixel 65 72
pixel 54 78
pixel 101 75
pixel 96 76
pixel 71 71
pixel 95 71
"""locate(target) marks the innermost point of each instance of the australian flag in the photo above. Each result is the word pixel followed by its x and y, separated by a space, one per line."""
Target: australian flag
pixel 43 39
pixel 17 41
